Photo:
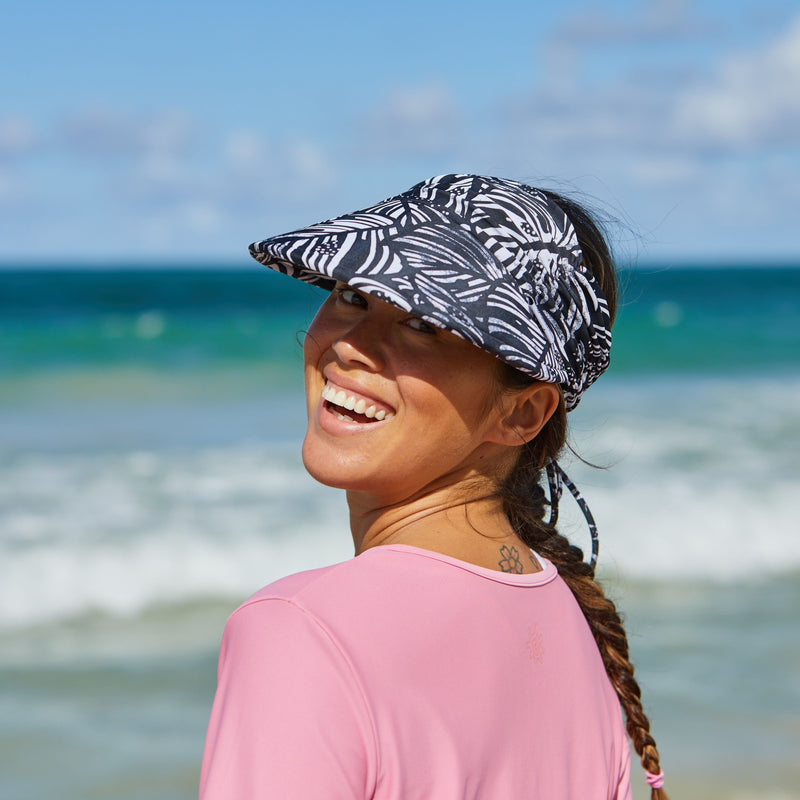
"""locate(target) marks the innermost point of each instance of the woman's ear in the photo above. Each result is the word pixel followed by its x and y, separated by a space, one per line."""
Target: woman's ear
pixel 526 412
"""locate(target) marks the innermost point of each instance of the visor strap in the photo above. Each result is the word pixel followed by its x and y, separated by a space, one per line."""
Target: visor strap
pixel 554 473
pixel 557 479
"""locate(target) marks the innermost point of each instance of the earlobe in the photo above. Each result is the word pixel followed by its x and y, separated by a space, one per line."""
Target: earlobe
pixel 527 413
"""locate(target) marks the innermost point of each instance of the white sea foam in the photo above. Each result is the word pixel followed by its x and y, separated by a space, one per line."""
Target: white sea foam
pixel 703 478
pixel 117 533
pixel 702 487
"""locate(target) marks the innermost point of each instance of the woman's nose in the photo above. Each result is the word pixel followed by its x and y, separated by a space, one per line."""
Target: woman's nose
pixel 362 345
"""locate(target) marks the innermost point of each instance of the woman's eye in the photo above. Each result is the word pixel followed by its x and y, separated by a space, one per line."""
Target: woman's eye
pixel 352 297
pixel 420 325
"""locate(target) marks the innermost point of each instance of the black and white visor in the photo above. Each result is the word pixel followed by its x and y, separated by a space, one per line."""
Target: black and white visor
pixel 494 261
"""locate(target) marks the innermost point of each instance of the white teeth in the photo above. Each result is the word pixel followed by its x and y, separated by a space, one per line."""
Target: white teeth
pixel 349 402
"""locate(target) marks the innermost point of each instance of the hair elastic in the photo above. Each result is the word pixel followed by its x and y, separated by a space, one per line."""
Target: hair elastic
pixel 655 781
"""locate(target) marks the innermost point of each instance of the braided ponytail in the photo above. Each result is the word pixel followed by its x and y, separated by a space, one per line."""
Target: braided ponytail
pixel 524 503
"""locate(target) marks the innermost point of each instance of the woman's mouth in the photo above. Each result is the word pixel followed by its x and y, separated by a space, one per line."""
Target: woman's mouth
pixel 350 407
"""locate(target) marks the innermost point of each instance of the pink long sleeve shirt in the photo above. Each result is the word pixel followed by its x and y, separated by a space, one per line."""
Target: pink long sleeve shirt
pixel 404 674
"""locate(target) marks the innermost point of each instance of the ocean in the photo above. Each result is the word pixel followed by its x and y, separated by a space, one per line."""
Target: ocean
pixel 150 480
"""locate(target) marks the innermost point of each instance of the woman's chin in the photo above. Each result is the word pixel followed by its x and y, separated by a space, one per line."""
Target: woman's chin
pixel 330 468
pixel 354 475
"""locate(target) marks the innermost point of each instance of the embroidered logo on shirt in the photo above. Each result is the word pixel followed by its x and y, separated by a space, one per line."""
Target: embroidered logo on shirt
pixel 536 649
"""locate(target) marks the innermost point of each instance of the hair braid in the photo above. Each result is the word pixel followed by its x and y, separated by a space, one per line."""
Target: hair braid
pixel 524 503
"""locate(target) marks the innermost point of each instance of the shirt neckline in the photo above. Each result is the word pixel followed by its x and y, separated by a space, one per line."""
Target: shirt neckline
pixel 546 575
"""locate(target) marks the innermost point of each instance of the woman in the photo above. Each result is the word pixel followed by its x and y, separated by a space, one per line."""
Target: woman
pixel 449 658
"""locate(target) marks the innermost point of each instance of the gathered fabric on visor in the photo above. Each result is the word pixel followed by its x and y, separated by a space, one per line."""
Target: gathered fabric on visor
pixel 492 260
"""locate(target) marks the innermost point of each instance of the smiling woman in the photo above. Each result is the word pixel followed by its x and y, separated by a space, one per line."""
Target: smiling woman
pixel 466 651
pixel 434 395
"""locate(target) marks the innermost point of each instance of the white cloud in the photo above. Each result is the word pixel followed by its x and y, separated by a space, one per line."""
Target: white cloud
pixel 663 127
pixel 156 169
pixel 245 150
pixel 308 162
pixel 655 134
pixel 167 132
pixel 752 100
pixel 111 133
pixel 414 121
pixel 192 222
pixel 251 157
pixel 578 127
pixel 676 145
pixel 162 169
pixel 17 136
pixel 160 182
pixel 663 170
pixel 657 20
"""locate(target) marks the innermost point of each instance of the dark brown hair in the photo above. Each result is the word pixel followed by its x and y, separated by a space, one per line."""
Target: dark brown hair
pixel 524 503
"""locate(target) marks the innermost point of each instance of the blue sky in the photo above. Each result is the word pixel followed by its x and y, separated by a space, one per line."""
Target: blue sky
pixel 182 131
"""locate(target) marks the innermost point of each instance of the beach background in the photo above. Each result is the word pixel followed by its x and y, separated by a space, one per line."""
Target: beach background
pixel 151 406
pixel 150 480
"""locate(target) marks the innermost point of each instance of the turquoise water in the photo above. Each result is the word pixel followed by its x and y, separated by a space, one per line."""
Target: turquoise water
pixel 149 480
pixel 669 319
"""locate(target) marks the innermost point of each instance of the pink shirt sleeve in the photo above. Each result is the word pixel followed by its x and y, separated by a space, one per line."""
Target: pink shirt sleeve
pixel 289 718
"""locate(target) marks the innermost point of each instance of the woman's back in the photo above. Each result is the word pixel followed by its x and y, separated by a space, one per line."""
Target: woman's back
pixel 440 679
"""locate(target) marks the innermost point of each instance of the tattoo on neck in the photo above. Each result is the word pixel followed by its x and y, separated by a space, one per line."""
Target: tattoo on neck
pixel 510 560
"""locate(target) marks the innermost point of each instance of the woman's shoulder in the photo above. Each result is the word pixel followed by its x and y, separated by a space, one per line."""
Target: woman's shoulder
pixel 310 589
pixel 335 591
pixel 289 609
pixel 290 586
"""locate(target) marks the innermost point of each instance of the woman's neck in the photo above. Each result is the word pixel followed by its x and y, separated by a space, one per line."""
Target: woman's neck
pixel 473 528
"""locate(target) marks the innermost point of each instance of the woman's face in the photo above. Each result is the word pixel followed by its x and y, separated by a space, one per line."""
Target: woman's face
pixel 395 405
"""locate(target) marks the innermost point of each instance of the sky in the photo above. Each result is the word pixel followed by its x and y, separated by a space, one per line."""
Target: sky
pixel 178 132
